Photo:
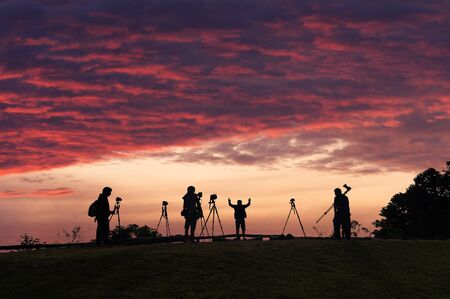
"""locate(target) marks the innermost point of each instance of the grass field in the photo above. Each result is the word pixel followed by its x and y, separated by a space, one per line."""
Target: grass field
pixel 251 269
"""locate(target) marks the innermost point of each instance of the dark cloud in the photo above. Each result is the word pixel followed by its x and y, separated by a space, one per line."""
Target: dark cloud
pixel 377 10
pixel 83 81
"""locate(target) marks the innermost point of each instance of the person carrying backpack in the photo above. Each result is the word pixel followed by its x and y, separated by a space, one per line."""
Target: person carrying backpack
pixel 100 210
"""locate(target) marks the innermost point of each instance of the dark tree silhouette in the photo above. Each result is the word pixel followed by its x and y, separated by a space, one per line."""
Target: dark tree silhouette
pixel 423 211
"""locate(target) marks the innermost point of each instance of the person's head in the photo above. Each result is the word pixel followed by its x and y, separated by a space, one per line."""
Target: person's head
pixel 107 191
pixel 191 189
pixel 239 202
pixel 337 191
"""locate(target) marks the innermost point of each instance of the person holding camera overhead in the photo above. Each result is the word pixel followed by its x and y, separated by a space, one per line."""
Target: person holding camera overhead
pixel 102 215
pixel 239 216
pixel 192 211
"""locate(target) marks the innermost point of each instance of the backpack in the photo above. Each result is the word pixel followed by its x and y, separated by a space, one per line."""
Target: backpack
pixel 92 212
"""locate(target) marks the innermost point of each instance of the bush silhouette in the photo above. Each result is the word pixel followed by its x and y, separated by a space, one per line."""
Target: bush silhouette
pixel 423 211
pixel 133 231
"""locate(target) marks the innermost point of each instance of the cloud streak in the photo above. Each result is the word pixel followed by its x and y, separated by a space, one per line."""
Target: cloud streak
pixel 228 82
pixel 39 193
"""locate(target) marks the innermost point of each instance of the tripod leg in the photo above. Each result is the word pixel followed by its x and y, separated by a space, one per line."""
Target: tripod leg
pixel 286 221
pixel 214 220
pixel 206 222
pixel 160 218
pixel 324 214
pixel 220 222
pixel 202 221
pixel 118 216
pixel 301 225
pixel 203 224
pixel 167 226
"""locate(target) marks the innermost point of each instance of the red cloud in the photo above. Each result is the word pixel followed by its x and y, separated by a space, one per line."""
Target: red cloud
pixel 89 83
pixel 40 193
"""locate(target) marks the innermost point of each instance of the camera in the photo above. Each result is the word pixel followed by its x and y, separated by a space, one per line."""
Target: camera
pixel 165 203
pixel 200 194
pixel 212 200
pixel 118 199
pixel 292 200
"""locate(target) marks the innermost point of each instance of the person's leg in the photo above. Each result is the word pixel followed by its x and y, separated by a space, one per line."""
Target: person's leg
pixel 186 228
pixel 346 227
pixel 336 227
pixel 243 228
pixel 106 232
pixel 193 225
pixel 237 229
pixel 98 239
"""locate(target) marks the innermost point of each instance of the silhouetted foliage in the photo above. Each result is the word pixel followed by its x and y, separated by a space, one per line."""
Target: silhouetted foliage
pixel 72 237
pixel 133 231
pixel 28 240
pixel 356 228
pixel 423 211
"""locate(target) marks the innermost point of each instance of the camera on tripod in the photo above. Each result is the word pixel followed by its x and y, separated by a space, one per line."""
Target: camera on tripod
pixel 165 216
pixel 295 212
pixel 117 210
pixel 200 194
pixel 212 211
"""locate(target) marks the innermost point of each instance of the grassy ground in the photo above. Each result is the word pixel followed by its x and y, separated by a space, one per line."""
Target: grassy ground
pixel 252 269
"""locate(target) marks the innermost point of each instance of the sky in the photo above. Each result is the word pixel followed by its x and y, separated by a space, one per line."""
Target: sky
pixel 243 98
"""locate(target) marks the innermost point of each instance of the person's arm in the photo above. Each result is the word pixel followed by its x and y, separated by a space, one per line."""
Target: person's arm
pixel 108 208
pixel 229 203
pixel 249 202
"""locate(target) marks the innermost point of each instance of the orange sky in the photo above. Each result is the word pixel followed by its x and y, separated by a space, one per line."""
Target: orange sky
pixel 144 183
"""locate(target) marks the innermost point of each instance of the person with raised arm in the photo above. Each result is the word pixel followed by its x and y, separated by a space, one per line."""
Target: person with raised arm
pixel 239 216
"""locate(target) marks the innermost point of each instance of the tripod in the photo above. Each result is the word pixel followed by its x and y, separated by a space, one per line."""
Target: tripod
pixel 165 216
pixel 212 210
pixel 294 209
pixel 117 210
pixel 203 224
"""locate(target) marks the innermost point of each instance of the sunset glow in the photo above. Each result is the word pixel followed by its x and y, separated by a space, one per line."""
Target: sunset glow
pixel 261 99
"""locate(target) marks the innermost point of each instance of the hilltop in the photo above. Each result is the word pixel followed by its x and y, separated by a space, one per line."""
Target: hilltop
pixel 252 269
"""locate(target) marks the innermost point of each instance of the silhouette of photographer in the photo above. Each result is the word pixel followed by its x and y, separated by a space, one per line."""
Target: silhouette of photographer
pixel 341 215
pixel 102 213
pixel 239 216
pixel 192 211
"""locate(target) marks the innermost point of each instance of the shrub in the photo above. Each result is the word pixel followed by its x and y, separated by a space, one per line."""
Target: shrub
pixel 133 231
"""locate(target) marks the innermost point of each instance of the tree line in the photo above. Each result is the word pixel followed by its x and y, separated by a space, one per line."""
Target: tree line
pixel 422 211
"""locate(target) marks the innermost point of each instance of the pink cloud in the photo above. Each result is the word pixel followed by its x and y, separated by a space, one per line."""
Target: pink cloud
pixel 88 83
pixel 40 193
